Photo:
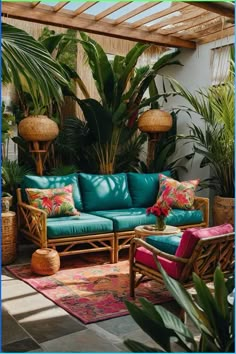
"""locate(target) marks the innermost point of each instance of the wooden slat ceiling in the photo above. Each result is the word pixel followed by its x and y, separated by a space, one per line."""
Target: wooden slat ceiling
pixel 182 24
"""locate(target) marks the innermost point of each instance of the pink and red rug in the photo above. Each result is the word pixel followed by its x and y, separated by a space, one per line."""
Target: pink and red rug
pixel 90 292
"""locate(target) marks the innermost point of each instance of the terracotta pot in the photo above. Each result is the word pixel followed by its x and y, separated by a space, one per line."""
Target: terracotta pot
pixel 38 128
pixel 223 210
pixel 155 120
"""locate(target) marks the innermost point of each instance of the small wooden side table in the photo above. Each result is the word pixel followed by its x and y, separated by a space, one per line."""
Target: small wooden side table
pixel 9 236
pixel 146 230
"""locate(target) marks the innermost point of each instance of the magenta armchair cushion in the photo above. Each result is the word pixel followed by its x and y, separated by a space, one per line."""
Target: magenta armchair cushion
pixel 188 242
pixel 191 236
pixel 144 256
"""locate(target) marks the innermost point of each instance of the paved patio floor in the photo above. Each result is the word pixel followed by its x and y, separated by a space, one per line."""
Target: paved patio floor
pixel 32 323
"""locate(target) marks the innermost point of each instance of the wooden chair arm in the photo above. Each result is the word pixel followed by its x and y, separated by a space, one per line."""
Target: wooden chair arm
pixel 139 242
pixel 32 222
pixel 32 209
pixel 202 204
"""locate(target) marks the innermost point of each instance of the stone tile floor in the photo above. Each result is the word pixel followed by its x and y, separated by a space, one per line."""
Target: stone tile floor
pixel 33 323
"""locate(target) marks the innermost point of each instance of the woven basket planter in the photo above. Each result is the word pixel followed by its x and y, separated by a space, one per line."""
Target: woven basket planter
pixel 45 261
pixel 9 234
pixel 223 210
pixel 155 120
pixel 38 128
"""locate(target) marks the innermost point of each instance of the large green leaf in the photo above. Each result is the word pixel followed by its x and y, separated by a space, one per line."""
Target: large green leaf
pixel 170 321
pixel 130 62
pixel 51 43
pixel 101 69
pixel 217 323
pixel 137 347
pixel 185 300
pixel 154 327
pixel 98 118
pixel 27 64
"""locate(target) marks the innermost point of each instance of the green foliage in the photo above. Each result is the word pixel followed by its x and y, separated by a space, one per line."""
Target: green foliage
pixel 63 170
pixel 30 67
pixel 215 140
pixel 121 87
pixel 8 122
pixel 211 314
pixel 12 176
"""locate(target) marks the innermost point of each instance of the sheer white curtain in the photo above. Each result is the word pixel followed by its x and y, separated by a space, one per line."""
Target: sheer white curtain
pixel 220 63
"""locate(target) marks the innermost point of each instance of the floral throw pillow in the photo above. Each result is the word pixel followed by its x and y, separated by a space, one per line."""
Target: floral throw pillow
pixel 55 201
pixel 178 194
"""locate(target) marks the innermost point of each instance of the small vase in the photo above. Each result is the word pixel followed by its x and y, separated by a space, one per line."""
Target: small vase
pixel 160 223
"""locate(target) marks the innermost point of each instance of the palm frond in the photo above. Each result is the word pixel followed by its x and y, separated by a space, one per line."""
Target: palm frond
pixel 27 64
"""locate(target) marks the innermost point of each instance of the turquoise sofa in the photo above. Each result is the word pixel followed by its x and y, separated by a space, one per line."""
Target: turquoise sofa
pixel 110 206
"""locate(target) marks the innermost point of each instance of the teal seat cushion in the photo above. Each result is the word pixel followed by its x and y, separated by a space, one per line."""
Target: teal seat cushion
pixel 144 188
pixel 178 217
pixel 105 192
pixel 128 219
pixel 84 224
pixel 46 182
pixel 168 243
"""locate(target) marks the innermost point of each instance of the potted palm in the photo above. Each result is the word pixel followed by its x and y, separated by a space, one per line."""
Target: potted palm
pixel 215 142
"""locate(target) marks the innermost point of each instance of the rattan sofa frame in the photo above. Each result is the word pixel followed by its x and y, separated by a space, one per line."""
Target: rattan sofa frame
pixel 32 224
pixel 207 254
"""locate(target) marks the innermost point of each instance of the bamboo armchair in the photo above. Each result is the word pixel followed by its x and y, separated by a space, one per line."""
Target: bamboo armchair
pixel 207 254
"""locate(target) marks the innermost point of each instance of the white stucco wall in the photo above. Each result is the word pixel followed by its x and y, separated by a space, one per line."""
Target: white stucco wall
pixel 194 74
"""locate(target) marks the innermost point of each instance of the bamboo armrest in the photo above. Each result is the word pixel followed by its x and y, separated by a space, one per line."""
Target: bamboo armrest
pixel 202 204
pixel 139 242
pixel 198 201
pixel 33 209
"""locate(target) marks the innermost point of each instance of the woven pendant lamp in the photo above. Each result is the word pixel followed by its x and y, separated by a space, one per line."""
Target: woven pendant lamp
pixel 39 131
pixel 154 122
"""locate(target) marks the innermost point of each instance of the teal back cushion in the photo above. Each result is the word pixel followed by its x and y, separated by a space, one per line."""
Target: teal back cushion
pixel 105 192
pixel 167 244
pixel 144 188
pixel 46 182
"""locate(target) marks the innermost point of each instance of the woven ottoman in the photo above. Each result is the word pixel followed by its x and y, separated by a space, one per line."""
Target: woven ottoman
pixel 45 261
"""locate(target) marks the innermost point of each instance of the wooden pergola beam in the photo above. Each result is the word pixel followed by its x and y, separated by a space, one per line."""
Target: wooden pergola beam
pixel 221 8
pixel 111 9
pixel 85 23
pixel 190 24
pixel 60 5
pixel 35 3
pixel 217 35
pixel 83 8
pixel 175 7
pixel 135 12
pixel 177 19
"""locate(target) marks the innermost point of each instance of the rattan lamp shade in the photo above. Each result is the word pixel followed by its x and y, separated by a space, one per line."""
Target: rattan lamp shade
pixel 38 128
pixel 155 120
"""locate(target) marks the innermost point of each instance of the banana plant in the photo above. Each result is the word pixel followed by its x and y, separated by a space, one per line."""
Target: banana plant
pixel 211 314
pixel 121 88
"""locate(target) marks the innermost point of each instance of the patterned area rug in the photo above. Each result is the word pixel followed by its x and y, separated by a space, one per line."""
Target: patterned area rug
pixel 90 292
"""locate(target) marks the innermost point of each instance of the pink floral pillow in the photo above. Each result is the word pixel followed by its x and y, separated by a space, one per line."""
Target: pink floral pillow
pixel 55 201
pixel 178 194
